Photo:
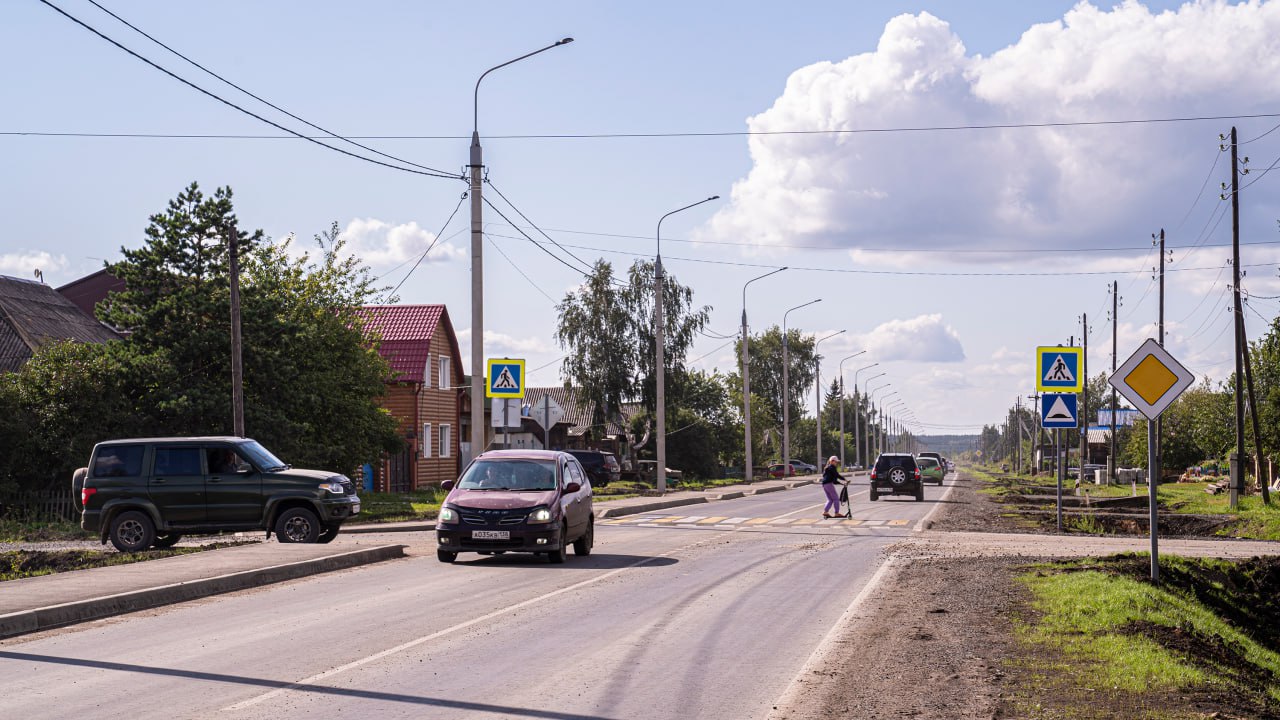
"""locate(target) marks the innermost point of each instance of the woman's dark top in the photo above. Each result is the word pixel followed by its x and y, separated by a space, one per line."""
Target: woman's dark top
pixel 830 474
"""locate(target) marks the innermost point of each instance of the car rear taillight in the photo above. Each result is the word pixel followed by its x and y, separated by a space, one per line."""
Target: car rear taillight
pixel 85 494
pixel 873 473
pixel 917 473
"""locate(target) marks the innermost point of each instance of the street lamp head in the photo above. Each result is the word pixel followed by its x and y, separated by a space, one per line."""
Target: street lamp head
pixel 565 41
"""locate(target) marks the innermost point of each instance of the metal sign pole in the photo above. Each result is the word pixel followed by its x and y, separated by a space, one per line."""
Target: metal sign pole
pixel 1060 470
pixel 1151 483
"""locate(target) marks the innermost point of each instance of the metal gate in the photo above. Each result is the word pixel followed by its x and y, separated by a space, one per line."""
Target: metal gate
pixel 400 472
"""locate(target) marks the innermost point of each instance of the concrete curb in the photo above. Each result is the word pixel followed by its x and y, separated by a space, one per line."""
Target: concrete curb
pixel 35 620
pixel 363 529
pixel 611 512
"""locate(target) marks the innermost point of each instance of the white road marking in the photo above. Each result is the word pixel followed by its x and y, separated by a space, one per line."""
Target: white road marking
pixel 450 630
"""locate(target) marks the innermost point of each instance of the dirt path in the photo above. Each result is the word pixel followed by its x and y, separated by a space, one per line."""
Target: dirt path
pixel 930 639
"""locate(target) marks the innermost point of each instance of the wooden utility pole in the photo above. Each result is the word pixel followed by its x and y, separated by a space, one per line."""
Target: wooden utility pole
pixel 1237 483
pixel 1253 415
pixel 1084 399
pixel 237 369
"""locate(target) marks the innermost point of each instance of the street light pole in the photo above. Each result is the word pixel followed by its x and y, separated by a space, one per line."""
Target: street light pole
pixel 879 443
pixel 786 392
pixel 817 392
pixel 746 379
pixel 893 425
pixel 855 390
pixel 660 369
pixel 866 423
pixel 477 260
pixel 857 436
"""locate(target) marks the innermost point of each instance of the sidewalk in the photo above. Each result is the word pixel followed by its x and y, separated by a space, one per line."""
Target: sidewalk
pixel 40 603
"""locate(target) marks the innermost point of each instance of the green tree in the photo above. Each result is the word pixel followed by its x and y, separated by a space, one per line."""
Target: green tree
pixel 766 372
pixel 607 329
pixel 311 380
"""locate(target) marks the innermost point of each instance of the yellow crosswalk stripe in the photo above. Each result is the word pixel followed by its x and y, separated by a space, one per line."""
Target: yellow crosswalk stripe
pixel 712 520
pixel 757 521
pixel 897 522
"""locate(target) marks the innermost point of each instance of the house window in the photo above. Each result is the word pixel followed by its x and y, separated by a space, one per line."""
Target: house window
pixel 426 440
pixel 446 440
pixel 444 373
pixel 426 373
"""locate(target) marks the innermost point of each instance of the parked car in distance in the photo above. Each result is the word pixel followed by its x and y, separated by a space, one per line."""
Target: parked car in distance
pixel 896 474
pixel 930 470
pixel 803 468
pixel 149 492
pixel 776 470
pixel 602 467
pixel 530 501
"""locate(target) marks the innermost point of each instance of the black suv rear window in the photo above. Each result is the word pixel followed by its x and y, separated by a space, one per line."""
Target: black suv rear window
pixel 118 461
pixel 884 462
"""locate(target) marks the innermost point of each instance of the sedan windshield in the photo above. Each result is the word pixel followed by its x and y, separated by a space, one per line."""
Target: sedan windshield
pixel 532 475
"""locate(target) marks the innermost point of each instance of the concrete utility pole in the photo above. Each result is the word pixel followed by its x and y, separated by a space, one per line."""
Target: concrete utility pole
pixel 1237 482
pixel 866 423
pixel 746 380
pixel 237 366
pixel 476 167
pixel 855 406
pixel 1115 322
pixel 660 368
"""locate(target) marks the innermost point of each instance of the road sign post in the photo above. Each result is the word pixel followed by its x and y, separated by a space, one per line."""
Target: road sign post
pixel 1152 379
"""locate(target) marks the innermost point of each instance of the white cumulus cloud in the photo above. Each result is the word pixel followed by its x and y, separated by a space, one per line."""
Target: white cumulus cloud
pixel 921 339
pixel 1012 187
pixel 24 264
pixel 380 243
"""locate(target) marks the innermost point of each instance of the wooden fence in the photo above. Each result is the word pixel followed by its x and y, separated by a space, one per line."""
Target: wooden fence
pixel 39 507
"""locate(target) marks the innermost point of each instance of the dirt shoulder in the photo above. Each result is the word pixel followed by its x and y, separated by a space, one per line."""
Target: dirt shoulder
pixel 934 638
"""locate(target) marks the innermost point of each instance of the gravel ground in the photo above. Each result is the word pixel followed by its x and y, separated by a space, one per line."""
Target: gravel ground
pixel 931 637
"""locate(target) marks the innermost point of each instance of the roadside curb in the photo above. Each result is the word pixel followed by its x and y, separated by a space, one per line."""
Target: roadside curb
pixel 648 507
pixel 37 619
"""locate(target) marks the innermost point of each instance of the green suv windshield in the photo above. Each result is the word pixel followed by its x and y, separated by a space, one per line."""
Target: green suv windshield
pixel 510 475
pixel 261 457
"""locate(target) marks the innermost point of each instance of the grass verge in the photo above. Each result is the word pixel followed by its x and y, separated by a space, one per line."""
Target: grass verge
pixel 1253 519
pixel 379 507
pixel 1102 636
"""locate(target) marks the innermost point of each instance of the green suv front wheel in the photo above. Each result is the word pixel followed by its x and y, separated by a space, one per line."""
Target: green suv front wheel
pixel 297 525
pixel 132 531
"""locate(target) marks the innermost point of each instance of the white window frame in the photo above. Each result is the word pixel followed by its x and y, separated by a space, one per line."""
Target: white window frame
pixel 445 380
pixel 426 372
pixel 425 445
pixel 446 440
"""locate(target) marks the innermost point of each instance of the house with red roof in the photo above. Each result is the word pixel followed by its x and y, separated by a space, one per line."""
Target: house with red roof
pixel 424 392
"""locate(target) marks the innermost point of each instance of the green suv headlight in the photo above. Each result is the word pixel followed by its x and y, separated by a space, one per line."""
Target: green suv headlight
pixel 539 516
pixel 333 487
pixel 448 515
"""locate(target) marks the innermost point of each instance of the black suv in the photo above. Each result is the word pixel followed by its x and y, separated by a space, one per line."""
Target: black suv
pixel 149 492
pixel 602 467
pixel 896 474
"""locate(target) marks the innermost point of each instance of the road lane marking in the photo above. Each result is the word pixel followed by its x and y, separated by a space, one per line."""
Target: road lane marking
pixel 758 521
pixel 312 680
pixel 712 520
pixel 734 521
pixel 897 522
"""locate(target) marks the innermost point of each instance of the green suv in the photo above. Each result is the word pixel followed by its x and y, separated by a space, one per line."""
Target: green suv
pixel 149 492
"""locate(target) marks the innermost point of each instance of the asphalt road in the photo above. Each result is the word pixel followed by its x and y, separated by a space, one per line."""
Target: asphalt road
pixel 707 611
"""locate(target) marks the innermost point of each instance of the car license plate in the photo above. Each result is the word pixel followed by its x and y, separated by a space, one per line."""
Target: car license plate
pixel 490 534
pixel 355 508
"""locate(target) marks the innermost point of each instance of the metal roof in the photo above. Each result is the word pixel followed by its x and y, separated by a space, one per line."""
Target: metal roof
pixel 406 332
pixel 33 315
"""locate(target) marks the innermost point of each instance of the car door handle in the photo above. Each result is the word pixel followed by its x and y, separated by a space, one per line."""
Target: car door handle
pixel 159 481
pixel 215 480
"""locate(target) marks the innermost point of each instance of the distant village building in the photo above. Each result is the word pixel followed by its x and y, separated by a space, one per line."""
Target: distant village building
pixel 424 393
pixel 33 315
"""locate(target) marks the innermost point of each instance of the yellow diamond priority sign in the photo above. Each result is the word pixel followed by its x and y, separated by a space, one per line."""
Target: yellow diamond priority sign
pixel 1151 379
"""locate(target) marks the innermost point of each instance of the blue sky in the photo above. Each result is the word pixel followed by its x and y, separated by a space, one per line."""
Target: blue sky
pixel 1001 215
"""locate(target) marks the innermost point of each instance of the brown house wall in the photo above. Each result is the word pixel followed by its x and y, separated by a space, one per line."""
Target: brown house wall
pixel 439 407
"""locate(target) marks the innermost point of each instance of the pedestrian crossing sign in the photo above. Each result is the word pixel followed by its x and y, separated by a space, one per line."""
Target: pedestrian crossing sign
pixel 1059 410
pixel 1060 369
pixel 505 378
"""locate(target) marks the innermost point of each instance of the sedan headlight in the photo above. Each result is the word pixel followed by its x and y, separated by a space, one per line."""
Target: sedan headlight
pixel 539 516
pixel 448 515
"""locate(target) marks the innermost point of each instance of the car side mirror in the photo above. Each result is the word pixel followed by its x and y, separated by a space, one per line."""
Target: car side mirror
pixel 244 468
pixel 447 485
pixel 571 488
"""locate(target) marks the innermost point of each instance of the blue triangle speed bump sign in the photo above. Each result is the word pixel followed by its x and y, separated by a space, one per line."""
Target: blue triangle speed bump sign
pixel 1059 410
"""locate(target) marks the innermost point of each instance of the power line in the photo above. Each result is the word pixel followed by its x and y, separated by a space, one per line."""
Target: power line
pixel 688 134
pixel 856 271
pixel 434 240
pixel 899 250
pixel 522 274
pixel 536 244
pixel 250 113
pixel 264 101
pixel 585 264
